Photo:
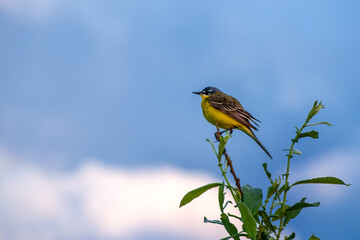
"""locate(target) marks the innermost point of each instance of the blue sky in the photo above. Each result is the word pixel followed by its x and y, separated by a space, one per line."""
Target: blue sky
pixel 95 102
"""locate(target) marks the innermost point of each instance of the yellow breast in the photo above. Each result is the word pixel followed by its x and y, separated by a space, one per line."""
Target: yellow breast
pixel 215 116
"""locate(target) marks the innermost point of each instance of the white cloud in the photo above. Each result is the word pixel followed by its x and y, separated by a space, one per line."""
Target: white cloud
pixel 103 201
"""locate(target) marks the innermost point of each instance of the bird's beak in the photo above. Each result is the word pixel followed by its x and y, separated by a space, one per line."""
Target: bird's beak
pixel 197 93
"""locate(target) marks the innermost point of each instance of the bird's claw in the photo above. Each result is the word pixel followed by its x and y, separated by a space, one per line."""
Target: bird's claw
pixel 218 133
pixel 217 136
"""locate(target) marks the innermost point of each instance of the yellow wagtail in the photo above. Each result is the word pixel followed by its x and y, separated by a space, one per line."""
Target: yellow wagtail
pixel 226 112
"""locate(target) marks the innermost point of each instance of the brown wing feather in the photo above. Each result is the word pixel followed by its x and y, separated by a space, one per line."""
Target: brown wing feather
pixel 232 107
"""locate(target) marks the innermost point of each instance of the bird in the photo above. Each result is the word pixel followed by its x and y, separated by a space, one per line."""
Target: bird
pixel 226 112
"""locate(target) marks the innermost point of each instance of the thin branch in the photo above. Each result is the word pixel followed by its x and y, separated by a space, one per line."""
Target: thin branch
pixel 232 171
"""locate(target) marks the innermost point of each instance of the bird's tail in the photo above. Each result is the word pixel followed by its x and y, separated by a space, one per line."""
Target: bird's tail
pixel 261 145
pixel 249 132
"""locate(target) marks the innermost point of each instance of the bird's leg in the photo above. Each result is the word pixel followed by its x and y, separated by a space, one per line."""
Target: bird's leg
pixel 230 130
pixel 218 133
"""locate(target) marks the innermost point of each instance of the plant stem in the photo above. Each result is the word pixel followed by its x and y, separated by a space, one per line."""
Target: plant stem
pixel 223 172
pixel 283 203
pixel 272 205
pixel 232 171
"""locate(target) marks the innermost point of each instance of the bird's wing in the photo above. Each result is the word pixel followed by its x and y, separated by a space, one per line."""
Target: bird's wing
pixel 232 107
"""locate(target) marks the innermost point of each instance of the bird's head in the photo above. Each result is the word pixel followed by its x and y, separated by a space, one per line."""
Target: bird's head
pixel 208 91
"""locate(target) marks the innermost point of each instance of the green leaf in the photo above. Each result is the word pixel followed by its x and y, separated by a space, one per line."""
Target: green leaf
pixel 196 193
pixel 283 188
pixel 268 174
pixel 322 180
pixel 294 151
pixel 252 198
pixel 312 237
pixel 232 236
pixel 221 147
pixel 212 145
pixel 292 236
pixel 293 211
pixel 277 203
pixel 237 196
pixel 230 228
pixel 234 216
pixel 302 204
pixel 312 133
pixel 314 110
pixel 313 124
pixel 227 202
pixel 222 144
pixel 266 219
pixel 221 197
pixel 263 233
pixel 290 215
pixel 212 221
pixel 249 223
pixel 265 236
pixel 272 189
pixel 278 213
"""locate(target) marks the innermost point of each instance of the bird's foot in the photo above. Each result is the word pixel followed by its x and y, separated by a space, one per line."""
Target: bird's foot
pixel 218 133
pixel 217 136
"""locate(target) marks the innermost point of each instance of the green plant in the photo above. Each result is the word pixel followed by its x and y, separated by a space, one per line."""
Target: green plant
pixel 262 219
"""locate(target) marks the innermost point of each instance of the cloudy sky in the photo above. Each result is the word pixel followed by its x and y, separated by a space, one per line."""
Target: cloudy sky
pixel 100 136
